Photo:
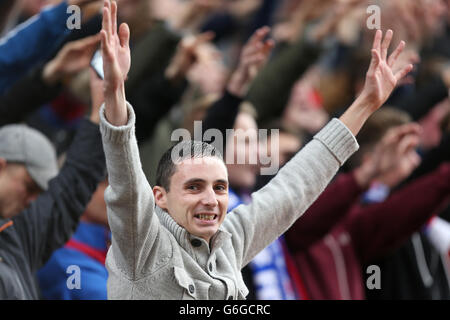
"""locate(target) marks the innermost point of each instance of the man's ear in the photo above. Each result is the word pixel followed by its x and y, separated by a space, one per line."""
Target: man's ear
pixel 160 195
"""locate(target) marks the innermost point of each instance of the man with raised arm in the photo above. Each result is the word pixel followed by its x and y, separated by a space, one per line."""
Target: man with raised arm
pixel 33 223
pixel 177 241
pixel 34 41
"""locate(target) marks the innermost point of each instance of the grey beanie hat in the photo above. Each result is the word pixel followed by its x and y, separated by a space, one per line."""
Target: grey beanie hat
pixel 22 144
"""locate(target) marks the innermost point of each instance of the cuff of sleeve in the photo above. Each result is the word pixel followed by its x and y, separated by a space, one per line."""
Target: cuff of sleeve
pixel 117 134
pixel 338 139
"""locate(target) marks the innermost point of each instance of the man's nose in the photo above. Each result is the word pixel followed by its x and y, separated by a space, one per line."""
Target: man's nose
pixel 209 198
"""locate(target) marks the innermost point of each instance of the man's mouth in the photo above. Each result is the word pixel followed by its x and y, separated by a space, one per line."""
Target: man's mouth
pixel 206 217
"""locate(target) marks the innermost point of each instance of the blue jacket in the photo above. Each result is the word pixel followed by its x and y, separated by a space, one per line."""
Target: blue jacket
pixel 54 275
pixel 30 43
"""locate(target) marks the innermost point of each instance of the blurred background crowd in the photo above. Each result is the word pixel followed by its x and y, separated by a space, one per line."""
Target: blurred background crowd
pixel 388 207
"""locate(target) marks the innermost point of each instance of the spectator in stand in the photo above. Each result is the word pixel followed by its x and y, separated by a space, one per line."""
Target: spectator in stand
pixel 32 42
pixel 330 255
pixel 315 71
pixel 419 268
pixel 45 82
pixel 87 247
pixel 34 225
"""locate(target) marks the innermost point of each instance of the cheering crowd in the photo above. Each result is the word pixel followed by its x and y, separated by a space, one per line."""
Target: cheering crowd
pixel 100 199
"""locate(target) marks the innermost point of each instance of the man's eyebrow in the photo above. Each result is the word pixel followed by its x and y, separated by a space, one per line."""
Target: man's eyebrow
pixel 198 180
pixel 194 180
pixel 221 181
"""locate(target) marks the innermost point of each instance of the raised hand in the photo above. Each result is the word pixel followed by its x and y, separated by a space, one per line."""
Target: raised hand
pixel 393 158
pixel 254 55
pixel 115 47
pixel 396 155
pixel 72 58
pixel 381 78
pixel 343 12
pixel 191 13
pixel 116 64
pixel 186 55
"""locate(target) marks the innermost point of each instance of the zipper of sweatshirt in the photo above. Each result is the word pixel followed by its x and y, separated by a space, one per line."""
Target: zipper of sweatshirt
pixel 341 269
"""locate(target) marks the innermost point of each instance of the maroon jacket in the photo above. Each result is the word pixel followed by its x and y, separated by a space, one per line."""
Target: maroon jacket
pixel 330 266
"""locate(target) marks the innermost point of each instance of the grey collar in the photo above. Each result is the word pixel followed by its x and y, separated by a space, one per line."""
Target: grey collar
pixel 184 238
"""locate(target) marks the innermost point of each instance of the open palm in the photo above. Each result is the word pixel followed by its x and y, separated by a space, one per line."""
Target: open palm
pixel 76 55
pixel 381 79
pixel 115 48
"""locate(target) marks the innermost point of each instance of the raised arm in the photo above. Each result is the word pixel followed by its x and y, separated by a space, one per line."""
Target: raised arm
pixel 393 154
pixel 276 206
pixel 254 55
pixel 380 82
pixel 53 217
pixel 157 78
pixel 380 227
pixel 116 64
pixel 45 82
pixel 129 198
pixel 33 42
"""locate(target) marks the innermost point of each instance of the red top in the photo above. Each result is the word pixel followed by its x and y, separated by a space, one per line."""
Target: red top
pixel 337 235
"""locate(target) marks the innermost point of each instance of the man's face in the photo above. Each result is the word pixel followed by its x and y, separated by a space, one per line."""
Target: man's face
pixel 17 190
pixel 198 196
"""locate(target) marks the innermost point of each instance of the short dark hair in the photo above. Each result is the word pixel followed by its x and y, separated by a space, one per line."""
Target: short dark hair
pixel 189 149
